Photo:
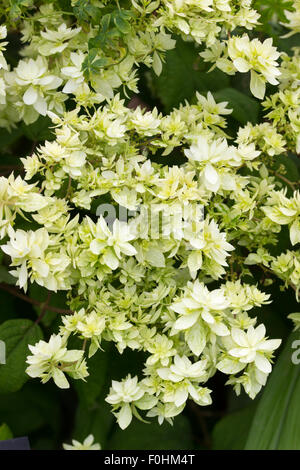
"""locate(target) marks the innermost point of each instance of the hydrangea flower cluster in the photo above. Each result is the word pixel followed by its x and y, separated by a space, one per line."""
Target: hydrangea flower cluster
pixel 171 278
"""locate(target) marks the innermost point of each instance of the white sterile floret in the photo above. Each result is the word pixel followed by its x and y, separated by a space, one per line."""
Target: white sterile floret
pixel 184 368
pixel 258 57
pixel 52 359
pixel 209 156
pixel 54 41
pixel 251 346
pixel 88 444
pixel 33 76
pixel 73 72
pixel 27 249
pixel 111 245
pixel 121 395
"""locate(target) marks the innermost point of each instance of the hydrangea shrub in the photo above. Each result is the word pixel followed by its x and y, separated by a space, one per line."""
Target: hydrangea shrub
pixel 159 227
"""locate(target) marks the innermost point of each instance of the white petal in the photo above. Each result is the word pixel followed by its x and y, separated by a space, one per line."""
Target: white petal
pixel 186 321
pixel 124 416
pixel 263 364
pixel 60 378
pixel 30 96
pixel 41 106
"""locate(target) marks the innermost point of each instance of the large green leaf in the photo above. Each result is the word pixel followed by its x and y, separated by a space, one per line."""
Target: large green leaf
pixel 244 108
pixel 231 432
pixel 34 407
pixel 39 130
pixel 183 74
pixel 16 334
pixel 5 276
pixel 276 421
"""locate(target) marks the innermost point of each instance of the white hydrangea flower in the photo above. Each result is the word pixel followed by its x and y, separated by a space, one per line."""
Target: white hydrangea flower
pixel 209 155
pixel 34 76
pixel 55 41
pixel 200 302
pixel 24 247
pixel 110 245
pixel 258 57
pixel 183 368
pixel 73 72
pixel 122 394
pixel 88 444
pixel 252 347
pixel 293 19
pixel 50 360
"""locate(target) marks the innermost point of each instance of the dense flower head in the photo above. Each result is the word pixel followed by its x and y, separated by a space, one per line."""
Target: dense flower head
pixel 155 257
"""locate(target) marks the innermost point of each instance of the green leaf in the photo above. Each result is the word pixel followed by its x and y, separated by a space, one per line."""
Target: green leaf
pixel 39 130
pixel 105 22
pixel 16 334
pixel 245 108
pixel 5 432
pixel 84 11
pixel 183 74
pixel 122 25
pixel 6 277
pixel 17 7
pixel 231 432
pixel 34 407
pixel 276 421
pixel 141 436
pixel 291 171
pixel 90 65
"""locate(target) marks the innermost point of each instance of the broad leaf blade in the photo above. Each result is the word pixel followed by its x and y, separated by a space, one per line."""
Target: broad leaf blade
pixel 277 417
pixel 183 74
pixel 244 108
pixel 16 334
pixel 231 432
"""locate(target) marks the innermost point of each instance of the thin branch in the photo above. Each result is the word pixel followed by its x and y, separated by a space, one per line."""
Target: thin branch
pixel 18 293
pixel 287 181
pixel 44 308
